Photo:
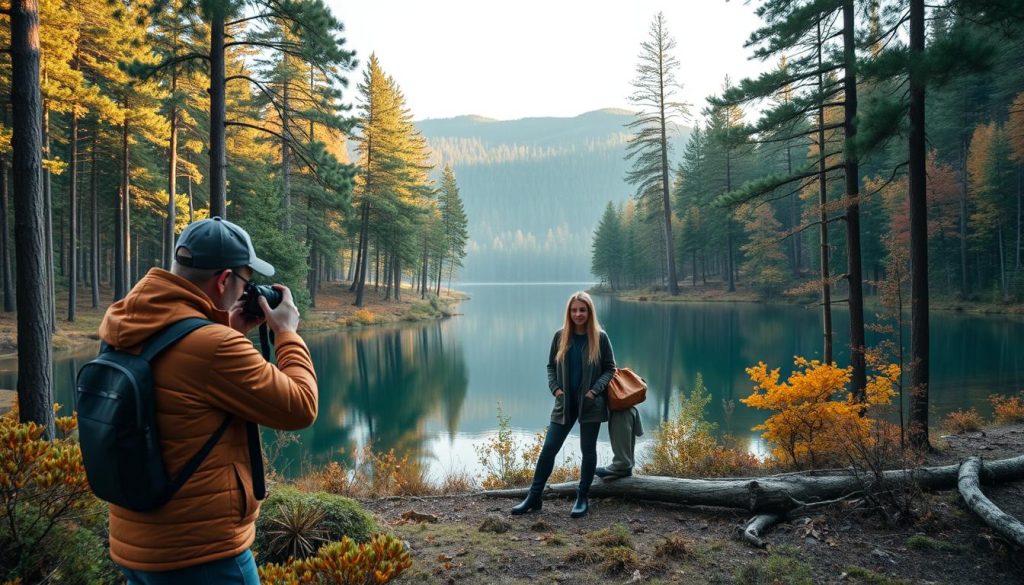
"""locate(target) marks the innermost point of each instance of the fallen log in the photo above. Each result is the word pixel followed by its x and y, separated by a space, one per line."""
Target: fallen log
pixel 778 494
pixel 1004 524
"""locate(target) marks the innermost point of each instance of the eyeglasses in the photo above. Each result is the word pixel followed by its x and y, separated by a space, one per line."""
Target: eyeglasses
pixel 245 281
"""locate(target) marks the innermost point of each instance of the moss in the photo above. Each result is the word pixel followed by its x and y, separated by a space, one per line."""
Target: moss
pixel 775 570
pixel 862 575
pixel 341 516
pixel 927 543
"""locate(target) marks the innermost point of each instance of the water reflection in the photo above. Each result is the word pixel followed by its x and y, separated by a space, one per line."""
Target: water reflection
pixel 431 390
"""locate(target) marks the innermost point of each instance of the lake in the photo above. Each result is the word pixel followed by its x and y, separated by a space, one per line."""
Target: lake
pixel 433 389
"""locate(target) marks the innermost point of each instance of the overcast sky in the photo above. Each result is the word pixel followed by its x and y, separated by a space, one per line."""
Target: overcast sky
pixel 531 58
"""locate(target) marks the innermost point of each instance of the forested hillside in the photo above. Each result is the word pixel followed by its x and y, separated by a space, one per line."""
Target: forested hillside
pixel 534 189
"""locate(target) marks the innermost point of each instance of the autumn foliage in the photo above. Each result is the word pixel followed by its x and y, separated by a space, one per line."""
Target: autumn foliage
pixel 44 495
pixel 1008 409
pixel 381 560
pixel 816 420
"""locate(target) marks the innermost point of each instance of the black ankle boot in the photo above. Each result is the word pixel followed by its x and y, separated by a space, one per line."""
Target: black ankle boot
pixel 579 509
pixel 532 502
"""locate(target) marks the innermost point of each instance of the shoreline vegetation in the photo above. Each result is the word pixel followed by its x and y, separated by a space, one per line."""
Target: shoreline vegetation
pixel 334 310
pixel 716 292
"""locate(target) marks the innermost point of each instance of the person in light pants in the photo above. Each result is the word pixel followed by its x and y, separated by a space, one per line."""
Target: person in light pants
pixel 624 427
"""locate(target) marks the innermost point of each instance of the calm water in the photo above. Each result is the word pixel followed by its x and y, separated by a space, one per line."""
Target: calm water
pixel 433 389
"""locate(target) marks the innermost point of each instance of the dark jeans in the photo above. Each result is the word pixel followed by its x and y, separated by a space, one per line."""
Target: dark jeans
pixel 238 570
pixel 553 444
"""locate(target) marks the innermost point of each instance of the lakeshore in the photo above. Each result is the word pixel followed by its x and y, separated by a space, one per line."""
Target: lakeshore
pixel 335 310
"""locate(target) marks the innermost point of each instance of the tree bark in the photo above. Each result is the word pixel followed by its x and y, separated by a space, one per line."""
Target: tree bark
pixel 5 237
pixel 286 170
pixel 218 115
pixel 855 278
pixel 826 286
pixel 918 237
pixel 963 217
pixel 172 182
pixel 967 482
pixel 94 252
pixel 73 208
pixel 364 244
pixel 773 494
pixel 35 398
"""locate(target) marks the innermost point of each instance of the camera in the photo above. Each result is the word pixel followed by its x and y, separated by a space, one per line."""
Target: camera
pixel 251 299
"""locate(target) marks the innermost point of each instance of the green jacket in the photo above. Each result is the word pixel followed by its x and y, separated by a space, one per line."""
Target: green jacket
pixel 595 377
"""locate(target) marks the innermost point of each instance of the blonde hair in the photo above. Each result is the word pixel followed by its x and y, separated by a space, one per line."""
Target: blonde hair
pixel 592 327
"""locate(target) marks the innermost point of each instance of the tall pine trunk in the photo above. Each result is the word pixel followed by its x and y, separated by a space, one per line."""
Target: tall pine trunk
pixel 364 236
pixel 218 115
pixel 172 181
pixel 826 287
pixel 286 169
pixel 963 217
pixel 73 209
pixel 728 224
pixel 855 277
pixel 919 330
pixel 51 294
pixel 5 237
pixel 94 252
pixel 35 398
pixel 670 255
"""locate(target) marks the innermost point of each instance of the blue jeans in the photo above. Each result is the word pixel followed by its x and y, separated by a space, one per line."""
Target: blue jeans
pixel 553 444
pixel 238 570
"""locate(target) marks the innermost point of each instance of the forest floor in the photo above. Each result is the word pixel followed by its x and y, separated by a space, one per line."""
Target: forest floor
pixel 472 539
pixel 334 310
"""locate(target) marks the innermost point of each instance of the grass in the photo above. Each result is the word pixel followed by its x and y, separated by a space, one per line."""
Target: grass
pixel 861 575
pixel 927 543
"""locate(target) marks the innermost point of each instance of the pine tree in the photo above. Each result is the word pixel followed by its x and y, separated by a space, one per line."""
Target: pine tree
pixel 608 248
pixel 35 390
pixel 655 86
pixel 455 225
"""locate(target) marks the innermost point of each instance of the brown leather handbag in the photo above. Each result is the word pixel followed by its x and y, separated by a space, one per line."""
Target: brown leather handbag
pixel 626 389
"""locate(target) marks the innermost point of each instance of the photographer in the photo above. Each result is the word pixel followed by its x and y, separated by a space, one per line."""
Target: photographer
pixel 213 377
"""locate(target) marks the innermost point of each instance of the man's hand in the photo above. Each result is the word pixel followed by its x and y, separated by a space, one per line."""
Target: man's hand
pixel 286 316
pixel 239 321
pixel 590 394
pixel 558 392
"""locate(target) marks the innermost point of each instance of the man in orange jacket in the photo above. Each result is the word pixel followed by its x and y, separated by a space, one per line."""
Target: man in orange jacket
pixel 204 533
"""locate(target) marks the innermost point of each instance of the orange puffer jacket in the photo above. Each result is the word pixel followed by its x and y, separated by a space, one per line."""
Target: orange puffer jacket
pixel 212 372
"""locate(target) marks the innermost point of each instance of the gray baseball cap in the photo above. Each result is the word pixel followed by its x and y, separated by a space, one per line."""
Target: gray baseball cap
pixel 218 243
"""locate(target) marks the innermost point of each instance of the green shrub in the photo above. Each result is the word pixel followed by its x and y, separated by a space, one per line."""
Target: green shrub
pixel 292 520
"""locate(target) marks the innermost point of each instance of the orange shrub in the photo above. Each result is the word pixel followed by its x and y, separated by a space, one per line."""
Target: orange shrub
pixel 816 420
pixel 1007 409
pixel 379 561
pixel 962 421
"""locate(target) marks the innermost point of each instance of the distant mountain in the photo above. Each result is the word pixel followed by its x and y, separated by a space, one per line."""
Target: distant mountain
pixel 534 189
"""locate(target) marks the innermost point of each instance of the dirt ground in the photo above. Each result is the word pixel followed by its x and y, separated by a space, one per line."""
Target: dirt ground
pixel 476 540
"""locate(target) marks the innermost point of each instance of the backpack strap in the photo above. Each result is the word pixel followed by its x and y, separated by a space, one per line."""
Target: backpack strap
pixel 171 334
pixel 197 459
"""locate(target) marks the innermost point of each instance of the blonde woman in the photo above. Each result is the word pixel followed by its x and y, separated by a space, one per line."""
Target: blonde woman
pixel 580 364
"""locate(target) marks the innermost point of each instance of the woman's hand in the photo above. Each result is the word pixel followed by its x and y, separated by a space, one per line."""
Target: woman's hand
pixel 558 392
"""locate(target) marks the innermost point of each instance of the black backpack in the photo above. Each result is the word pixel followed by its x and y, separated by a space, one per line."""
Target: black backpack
pixel 117 425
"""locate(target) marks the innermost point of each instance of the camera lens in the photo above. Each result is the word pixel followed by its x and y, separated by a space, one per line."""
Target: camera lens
pixel 252 295
pixel 272 295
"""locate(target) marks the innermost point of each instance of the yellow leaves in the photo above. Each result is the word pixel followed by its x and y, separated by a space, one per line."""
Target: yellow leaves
pixel 381 560
pixel 812 426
